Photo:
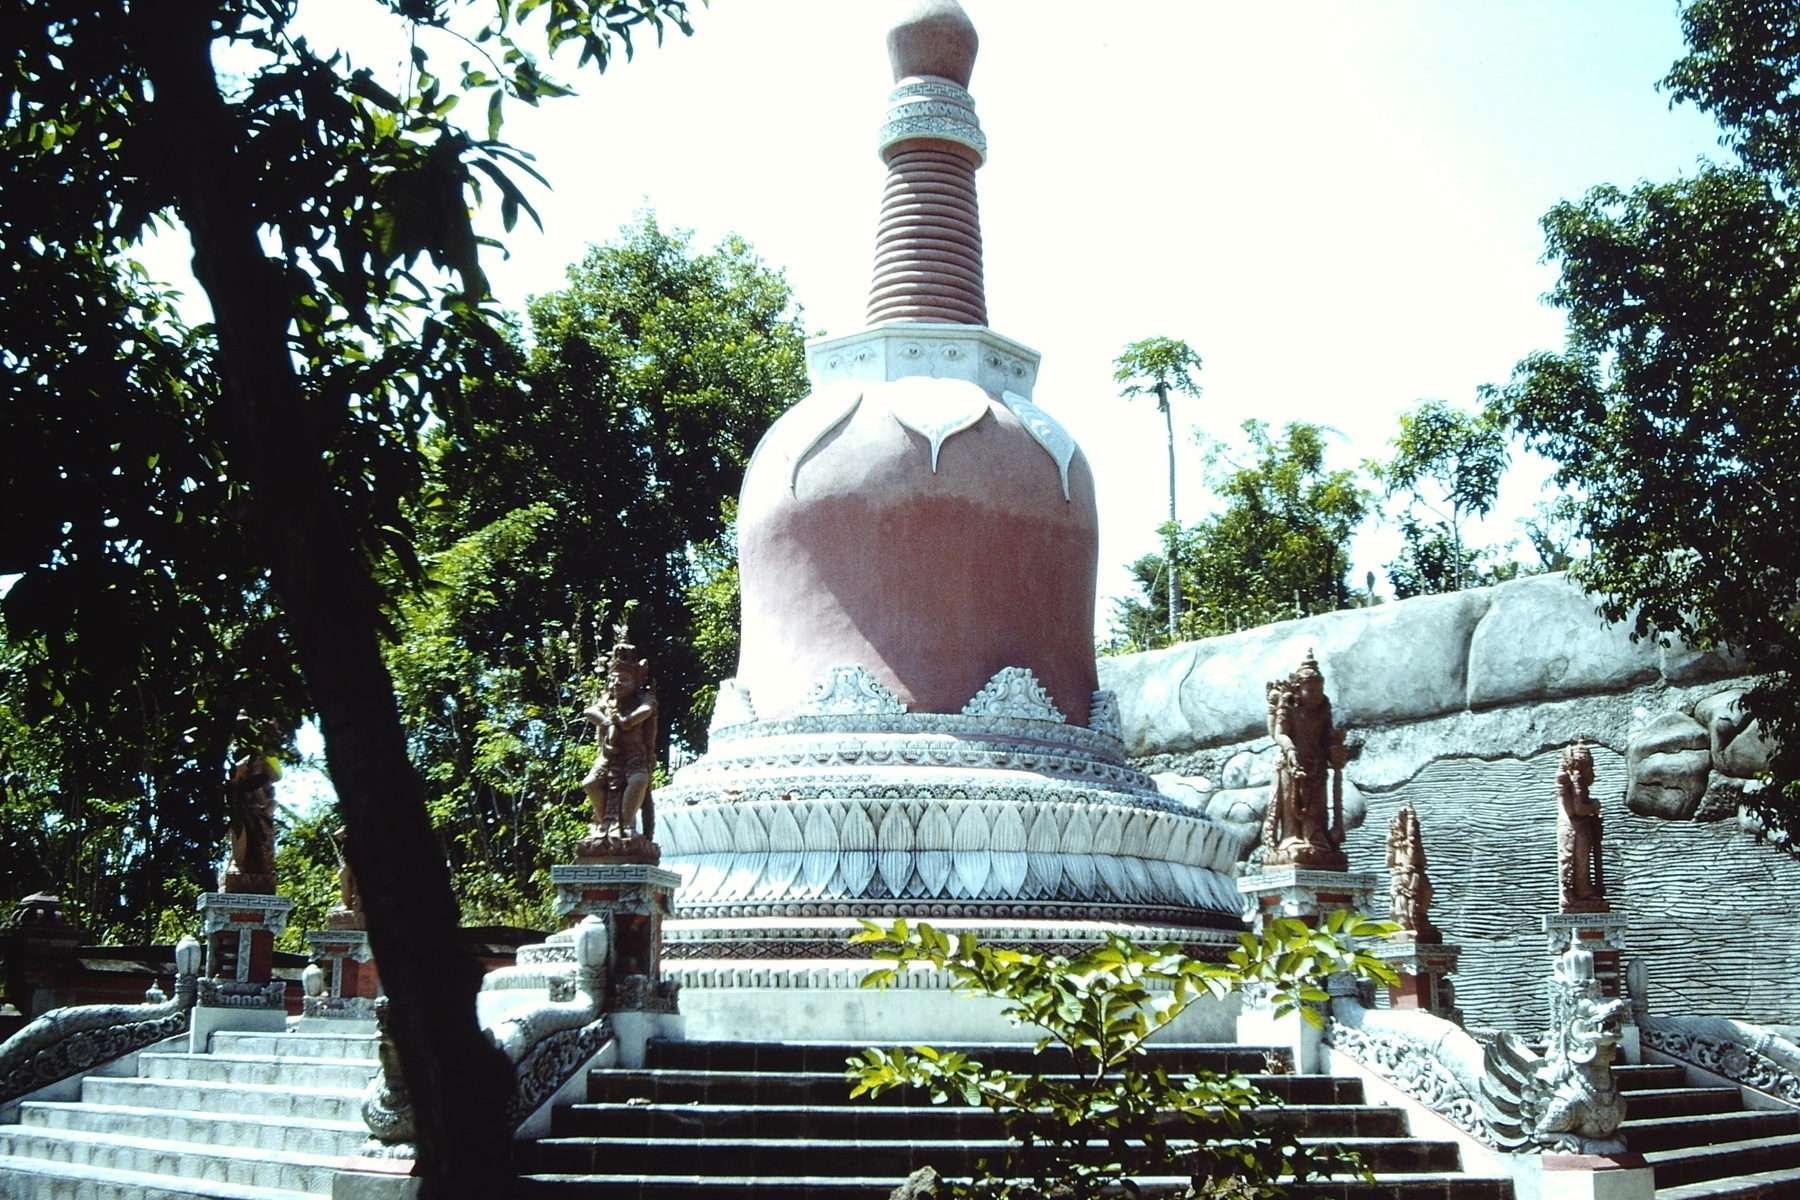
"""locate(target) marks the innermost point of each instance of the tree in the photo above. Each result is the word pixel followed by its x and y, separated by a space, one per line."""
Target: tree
pixel 1280 547
pixel 1448 462
pixel 1673 412
pixel 1087 1135
pixel 309 190
pixel 1156 367
pixel 647 384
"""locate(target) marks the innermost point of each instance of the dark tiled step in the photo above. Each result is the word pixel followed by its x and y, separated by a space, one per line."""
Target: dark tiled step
pixel 1764 1185
pixel 1749 1157
pixel 1681 1102
pixel 831 1056
pixel 817 1156
pixel 637 1187
pixel 1633 1077
pixel 608 1086
pixel 1676 1133
pixel 902 1122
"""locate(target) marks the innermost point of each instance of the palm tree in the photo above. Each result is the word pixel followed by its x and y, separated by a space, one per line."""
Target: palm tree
pixel 1156 367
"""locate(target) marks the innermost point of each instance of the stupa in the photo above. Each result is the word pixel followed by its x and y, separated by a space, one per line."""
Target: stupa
pixel 916 728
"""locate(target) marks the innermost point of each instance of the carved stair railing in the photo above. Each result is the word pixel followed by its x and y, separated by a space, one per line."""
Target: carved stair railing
pixel 1751 1056
pixel 548 1042
pixel 64 1042
pixel 1432 1060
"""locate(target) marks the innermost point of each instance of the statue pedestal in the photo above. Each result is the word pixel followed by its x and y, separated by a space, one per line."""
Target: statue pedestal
pixel 350 982
pixel 633 899
pixel 1303 894
pixel 238 990
pixel 1424 969
pixel 1602 934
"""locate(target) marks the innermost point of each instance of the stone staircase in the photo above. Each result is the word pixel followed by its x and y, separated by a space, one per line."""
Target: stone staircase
pixel 1703 1143
pixel 265 1116
pixel 757 1121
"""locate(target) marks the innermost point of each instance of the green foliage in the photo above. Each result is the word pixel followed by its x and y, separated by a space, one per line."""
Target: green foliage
pixel 1448 464
pixel 1672 412
pixel 1279 548
pixel 648 382
pixel 1157 366
pixel 715 600
pixel 1089 1134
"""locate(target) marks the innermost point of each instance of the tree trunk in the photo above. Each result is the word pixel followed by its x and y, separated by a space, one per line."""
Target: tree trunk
pixel 1162 394
pixel 459 1081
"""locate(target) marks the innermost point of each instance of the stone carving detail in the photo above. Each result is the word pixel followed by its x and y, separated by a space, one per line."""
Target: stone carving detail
pixel 1743 1053
pixel 1415 1070
pixel 239 993
pixel 619 784
pixel 1565 1101
pixel 935 409
pixel 387 1107
pixel 845 399
pixel 1103 715
pixel 1014 692
pixel 67 1041
pixel 252 791
pixel 1409 888
pixel 850 691
pixel 1299 829
pixel 731 707
pixel 858 729
pixel 1048 433
pixel 932 108
pixel 1580 875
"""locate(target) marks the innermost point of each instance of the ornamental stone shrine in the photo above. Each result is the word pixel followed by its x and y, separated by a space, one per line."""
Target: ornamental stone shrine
pixel 915 728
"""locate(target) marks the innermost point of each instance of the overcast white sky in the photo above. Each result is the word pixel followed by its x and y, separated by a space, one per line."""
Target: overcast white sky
pixel 1335 201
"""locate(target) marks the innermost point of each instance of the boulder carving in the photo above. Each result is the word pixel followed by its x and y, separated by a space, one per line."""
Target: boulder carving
pixel 1305 822
pixel 1581 878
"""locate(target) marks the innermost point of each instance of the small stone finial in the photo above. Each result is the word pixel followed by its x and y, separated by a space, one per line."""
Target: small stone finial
pixel 935 38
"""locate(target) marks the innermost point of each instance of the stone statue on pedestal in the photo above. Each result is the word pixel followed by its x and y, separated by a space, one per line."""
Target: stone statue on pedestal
pixel 349 911
pixel 1580 875
pixel 1302 829
pixel 1409 888
pixel 619 785
pixel 252 794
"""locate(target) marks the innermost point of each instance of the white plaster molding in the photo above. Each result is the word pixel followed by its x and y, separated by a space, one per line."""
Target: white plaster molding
pixel 731 707
pixel 850 691
pixel 936 409
pixel 1047 431
pixel 1014 692
pixel 838 403
pixel 896 350
pixel 1103 715
pixel 932 108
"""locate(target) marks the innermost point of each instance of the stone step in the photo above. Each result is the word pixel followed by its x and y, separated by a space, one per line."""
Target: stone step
pixel 1764 1185
pixel 1175 1057
pixel 1631 1077
pixel 251 1070
pixel 315 1103
pixel 32 1179
pixel 899 1122
pixel 1675 1133
pixel 1681 1102
pixel 279 1170
pixel 1751 1156
pixel 544 1186
pixel 357 1046
pixel 817 1156
pixel 297 1135
pixel 807 1089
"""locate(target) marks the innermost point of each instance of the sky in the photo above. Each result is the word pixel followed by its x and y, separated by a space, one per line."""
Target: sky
pixel 1335 202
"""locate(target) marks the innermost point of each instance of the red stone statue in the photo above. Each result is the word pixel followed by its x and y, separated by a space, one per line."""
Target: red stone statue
pixel 1409 888
pixel 619 785
pixel 252 792
pixel 1581 877
pixel 1305 825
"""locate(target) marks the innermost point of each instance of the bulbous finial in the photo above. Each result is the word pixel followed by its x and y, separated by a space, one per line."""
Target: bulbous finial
pixel 935 37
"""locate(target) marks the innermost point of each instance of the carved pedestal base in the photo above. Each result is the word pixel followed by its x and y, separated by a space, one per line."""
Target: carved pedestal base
pixel 1425 969
pixel 237 989
pixel 633 899
pixel 347 983
pixel 1602 933
pixel 1303 893
pixel 612 846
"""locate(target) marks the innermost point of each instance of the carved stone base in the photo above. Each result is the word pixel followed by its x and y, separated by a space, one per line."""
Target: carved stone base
pixel 348 982
pixel 1601 932
pixel 1425 969
pixel 239 884
pixel 611 846
pixel 1303 893
pixel 633 898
